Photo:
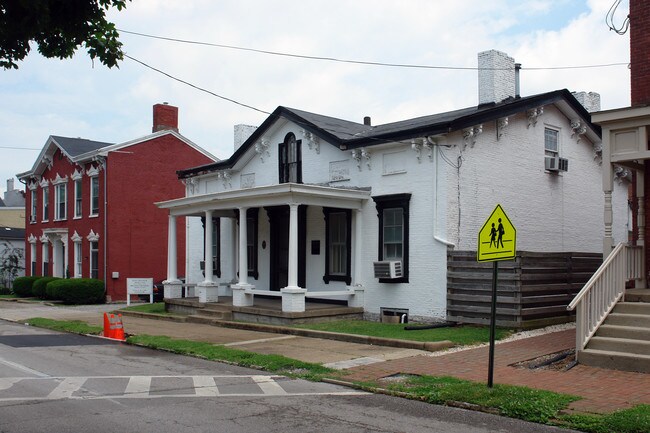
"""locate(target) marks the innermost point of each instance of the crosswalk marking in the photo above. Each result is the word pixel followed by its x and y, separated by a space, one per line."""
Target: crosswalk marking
pixel 139 387
pixel 66 388
pixel 268 385
pixel 205 386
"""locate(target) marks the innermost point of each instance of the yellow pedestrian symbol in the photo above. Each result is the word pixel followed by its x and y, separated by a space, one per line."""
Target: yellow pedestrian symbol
pixel 497 239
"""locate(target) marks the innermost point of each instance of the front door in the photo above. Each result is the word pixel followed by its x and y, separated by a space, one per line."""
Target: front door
pixel 279 246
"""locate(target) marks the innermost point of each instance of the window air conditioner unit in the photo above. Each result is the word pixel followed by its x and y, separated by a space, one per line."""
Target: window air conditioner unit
pixel 388 269
pixel 555 163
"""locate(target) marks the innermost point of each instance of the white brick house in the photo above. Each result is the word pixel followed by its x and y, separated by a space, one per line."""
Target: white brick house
pixel 325 198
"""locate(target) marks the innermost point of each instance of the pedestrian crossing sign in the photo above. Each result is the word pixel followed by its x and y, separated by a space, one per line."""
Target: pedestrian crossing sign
pixel 497 239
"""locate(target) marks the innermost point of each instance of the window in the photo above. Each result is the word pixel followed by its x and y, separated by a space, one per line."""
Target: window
pixel 337 245
pixel 251 238
pixel 32 254
pixel 77 260
pixel 60 201
pixel 551 142
pixel 78 209
pixel 46 259
pixel 33 207
pixel 216 246
pixel 393 211
pixel 46 200
pixel 94 259
pixel 290 160
pixel 94 196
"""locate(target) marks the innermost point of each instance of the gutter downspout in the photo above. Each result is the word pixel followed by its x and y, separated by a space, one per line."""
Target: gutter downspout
pixel 103 160
pixel 435 149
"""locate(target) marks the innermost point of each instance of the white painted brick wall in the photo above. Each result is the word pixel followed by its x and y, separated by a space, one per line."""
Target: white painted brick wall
pixel 496 76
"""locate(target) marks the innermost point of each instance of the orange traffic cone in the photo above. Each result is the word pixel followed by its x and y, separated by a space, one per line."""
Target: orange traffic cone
pixel 113 327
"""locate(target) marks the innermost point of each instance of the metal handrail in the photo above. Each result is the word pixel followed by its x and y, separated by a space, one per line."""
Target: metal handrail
pixel 604 289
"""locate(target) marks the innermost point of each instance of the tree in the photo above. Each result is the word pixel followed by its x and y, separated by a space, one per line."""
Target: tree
pixel 11 263
pixel 59 28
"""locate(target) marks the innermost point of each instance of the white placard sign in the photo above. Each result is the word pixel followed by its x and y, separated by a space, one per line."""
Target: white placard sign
pixel 139 286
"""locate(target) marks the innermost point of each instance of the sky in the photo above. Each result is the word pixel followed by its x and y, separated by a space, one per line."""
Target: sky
pixel 78 98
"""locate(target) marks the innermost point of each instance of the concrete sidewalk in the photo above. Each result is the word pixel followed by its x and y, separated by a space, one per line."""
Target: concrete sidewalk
pixel 601 390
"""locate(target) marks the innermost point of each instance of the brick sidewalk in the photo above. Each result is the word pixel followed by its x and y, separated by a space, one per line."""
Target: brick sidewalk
pixel 601 390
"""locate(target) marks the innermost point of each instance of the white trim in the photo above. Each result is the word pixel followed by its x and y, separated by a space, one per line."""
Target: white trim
pixel 92 171
pixel 92 236
pixel 32 239
pixel 58 179
pixel 76 238
pixel 44 183
pixel 77 175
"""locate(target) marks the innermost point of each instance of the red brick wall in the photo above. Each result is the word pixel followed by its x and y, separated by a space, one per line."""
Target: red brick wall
pixel 139 176
pixel 640 52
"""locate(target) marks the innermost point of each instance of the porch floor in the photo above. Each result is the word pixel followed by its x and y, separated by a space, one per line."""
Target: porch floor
pixel 265 310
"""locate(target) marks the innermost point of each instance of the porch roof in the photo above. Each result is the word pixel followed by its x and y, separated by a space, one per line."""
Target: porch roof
pixel 269 195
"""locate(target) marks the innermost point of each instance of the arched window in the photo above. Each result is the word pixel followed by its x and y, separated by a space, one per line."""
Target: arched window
pixel 290 160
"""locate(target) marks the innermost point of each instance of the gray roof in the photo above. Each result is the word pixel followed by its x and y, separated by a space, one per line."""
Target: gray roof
pixel 78 146
pixel 10 233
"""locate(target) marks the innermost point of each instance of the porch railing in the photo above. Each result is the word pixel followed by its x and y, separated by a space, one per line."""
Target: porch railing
pixel 604 289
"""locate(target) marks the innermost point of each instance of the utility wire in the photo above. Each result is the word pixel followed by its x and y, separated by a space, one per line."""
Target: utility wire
pixel 609 19
pixel 360 62
pixel 195 86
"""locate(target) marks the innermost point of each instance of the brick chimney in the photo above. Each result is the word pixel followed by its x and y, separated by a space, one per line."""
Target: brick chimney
pixel 165 116
pixel 640 52
pixel 496 77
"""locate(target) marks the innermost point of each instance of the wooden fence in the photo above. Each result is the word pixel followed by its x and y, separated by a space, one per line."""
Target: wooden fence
pixel 533 290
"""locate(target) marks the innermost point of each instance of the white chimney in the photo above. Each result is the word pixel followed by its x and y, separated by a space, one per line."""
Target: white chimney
pixel 10 184
pixel 589 100
pixel 496 77
pixel 242 132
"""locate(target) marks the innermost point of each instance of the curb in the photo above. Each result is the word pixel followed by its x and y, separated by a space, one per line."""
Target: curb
pixel 429 346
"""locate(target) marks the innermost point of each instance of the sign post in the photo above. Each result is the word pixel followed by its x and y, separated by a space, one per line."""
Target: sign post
pixel 139 286
pixel 497 240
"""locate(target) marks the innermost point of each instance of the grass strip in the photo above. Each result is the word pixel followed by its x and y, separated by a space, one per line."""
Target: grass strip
pixel 155 308
pixel 74 326
pixel 633 420
pixel 273 363
pixel 462 335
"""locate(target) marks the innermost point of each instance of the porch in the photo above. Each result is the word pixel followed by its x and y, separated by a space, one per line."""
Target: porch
pixel 285 206
pixel 267 310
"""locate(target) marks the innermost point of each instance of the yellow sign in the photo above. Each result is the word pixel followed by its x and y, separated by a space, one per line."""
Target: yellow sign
pixel 497 239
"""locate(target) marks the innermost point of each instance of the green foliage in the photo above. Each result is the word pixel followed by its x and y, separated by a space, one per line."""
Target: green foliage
pixel 458 334
pixel 273 363
pixel 512 401
pixel 23 286
pixel 634 420
pixel 155 308
pixel 77 290
pixel 5 291
pixel 58 28
pixel 75 326
pixel 39 286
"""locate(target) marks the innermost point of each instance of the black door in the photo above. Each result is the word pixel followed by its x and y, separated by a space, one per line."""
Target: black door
pixel 279 246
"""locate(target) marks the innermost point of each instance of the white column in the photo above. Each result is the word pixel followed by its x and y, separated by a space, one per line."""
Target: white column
pixel 66 254
pixel 608 186
pixel 640 193
pixel 292 279
pixel 243 246
pixel 357 300
pixel 241 296
pixel 208 289
pixel 293 297
pixel 172 285
pixel 207 254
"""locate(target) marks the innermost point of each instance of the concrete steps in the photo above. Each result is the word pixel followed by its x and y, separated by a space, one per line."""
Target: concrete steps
pixel 211 313
pixel 623 341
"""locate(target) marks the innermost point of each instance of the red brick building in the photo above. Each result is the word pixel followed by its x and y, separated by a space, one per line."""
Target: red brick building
pixel 90 209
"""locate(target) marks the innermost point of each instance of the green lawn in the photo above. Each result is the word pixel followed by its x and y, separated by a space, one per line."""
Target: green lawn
pixel 155 308
pixel 75 326
pixel 461 335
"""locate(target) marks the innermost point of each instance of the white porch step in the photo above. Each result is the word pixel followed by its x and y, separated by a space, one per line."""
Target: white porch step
pixel 639 320
pixel 637 295
pixel 632 308
pixel 621 345
pixel 615 360
pixel 617 331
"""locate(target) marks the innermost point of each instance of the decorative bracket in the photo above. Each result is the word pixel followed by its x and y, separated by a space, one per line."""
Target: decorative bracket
pixel 225 177
pixel 470 134
pixel 262 147
pixel 312 140
pixel 92 236
pixel 598 153
pixel 621 174
pixel 533 114
pixel 359 154
pixel 44 239
pixel 501 127
pixel 420 144
pixel 577 129
pixel 47 161
pixel 76 238
pixel 44 183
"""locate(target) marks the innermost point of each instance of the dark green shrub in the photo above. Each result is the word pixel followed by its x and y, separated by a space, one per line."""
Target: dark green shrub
pixel 38 288
pixel 77 290
pixel 23 286
pixel 5 291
